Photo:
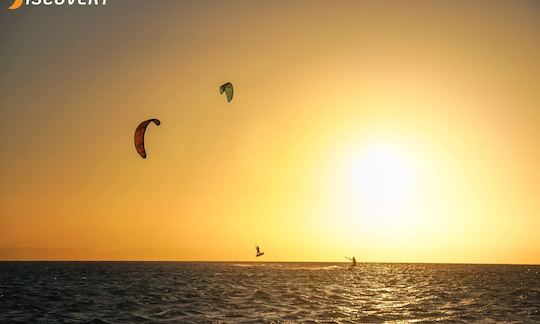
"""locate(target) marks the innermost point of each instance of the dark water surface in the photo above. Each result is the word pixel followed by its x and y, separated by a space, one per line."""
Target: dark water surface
pixel 114 292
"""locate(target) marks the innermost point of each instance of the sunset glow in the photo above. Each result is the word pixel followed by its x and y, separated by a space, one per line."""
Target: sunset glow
pixel 408 133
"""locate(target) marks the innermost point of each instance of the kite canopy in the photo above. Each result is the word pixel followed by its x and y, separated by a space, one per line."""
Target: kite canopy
pixel 139 136
pixel 228 89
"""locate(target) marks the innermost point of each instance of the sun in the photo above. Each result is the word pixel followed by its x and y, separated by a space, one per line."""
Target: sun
pixel 381 179
pixel 378 183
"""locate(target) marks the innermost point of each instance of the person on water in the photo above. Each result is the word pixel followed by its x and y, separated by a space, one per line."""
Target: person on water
pixel 259 253
pixel 353 262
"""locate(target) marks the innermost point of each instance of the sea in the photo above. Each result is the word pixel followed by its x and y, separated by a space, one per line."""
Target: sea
pixel 230 292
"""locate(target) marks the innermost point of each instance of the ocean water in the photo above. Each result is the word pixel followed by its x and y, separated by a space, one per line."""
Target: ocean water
pixel 112 292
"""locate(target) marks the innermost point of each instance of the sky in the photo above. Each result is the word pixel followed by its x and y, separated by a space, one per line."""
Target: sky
pixel 391 131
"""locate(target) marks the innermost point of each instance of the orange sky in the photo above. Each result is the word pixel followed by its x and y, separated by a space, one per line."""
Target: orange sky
pixel 392 131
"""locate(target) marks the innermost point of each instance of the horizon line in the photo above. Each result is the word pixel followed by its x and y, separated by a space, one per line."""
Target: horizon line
pixel 246 261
